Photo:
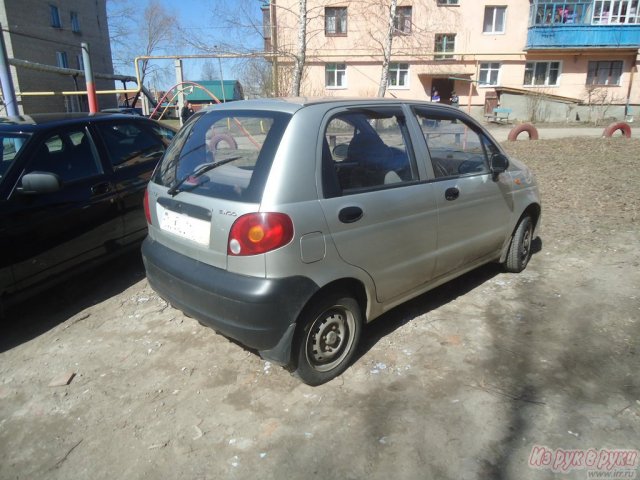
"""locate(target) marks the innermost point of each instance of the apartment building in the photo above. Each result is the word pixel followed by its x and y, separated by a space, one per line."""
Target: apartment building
pixel 49 32
pixel 560 54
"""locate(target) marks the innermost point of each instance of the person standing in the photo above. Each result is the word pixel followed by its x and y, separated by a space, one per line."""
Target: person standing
pixel 454 100
pixel 435 96
pixel 186 112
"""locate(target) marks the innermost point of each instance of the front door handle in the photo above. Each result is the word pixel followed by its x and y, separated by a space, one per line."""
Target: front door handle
pixel 451 193
pixel 350 214
pixel 101 188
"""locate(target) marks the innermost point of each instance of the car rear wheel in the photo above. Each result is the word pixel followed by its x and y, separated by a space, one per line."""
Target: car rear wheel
pixel 328 338
pixel 520 249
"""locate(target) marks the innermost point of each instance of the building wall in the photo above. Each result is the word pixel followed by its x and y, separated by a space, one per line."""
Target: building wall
pixel 32 37
pixel 360 50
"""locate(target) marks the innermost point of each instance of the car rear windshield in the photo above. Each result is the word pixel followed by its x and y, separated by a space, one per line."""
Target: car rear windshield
pixel 11 146
pixel 237 146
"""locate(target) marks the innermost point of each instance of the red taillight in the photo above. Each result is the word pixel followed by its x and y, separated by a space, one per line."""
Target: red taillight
pixel 147 212
pixel 256 233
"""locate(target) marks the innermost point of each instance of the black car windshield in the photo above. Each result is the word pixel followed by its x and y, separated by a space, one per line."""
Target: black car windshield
pixel 241 144
pixel 11 146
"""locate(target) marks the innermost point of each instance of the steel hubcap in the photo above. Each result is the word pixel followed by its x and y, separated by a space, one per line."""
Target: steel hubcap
pixel 329 338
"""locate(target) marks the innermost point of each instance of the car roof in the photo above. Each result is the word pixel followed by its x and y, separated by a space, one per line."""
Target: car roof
pixel 292 104
pixel 39 121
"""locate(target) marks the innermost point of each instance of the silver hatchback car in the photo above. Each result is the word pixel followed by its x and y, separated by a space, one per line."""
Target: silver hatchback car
pixel 288 224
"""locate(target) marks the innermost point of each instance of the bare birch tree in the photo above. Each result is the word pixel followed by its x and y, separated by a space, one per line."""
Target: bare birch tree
pixel 386 50
pixel 133 39
pixel 301 51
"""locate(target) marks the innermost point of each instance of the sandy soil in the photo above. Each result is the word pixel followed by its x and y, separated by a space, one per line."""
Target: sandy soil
pixel 460 383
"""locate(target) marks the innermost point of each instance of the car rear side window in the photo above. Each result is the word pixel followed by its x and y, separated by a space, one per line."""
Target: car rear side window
pixel 455 147
pixel 366 149
pixel 241 143
pixel 70 154
pixel 129 144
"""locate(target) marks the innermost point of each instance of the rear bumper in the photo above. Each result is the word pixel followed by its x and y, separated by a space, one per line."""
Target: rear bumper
pixel 260 313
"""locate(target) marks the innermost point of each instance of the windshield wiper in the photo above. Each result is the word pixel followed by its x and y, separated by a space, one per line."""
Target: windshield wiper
pixel 198 172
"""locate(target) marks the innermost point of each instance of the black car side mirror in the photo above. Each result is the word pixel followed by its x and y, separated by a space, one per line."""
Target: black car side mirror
pixel 499 164
pixel 36 183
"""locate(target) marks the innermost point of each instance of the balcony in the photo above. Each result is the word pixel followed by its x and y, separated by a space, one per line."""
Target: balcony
pixel 564 35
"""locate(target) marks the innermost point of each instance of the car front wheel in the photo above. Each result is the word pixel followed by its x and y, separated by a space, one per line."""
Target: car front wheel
pixel 520 249
pixel 328 338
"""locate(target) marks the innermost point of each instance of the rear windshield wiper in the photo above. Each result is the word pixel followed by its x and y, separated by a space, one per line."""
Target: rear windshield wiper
pixel 198 172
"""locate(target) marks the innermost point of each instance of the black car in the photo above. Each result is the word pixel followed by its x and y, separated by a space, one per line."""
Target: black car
pixel 71 193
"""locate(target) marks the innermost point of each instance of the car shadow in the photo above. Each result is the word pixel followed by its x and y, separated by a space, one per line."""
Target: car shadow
pixel 427 302
pixel 31 318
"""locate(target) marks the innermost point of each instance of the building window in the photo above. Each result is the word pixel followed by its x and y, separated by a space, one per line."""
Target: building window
pixel 489 74
pixel 604 73
pixel 541 74
pixel 335 21
pixel 80 61
pixel 75 22
pixel 615 11
pixel 402 22
pixel 335 75
pixel 445 46
pixel 447 2
pixel 494 19
pixel 61 59
pixel 398 75
pixel 55 17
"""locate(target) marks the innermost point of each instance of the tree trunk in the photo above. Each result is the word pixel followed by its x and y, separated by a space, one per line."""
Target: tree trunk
pixel 300 57
pixel 386 53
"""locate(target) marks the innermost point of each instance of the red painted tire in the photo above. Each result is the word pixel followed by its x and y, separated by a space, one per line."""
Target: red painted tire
pixel 614 127
pixel 221 137
pixel 523 127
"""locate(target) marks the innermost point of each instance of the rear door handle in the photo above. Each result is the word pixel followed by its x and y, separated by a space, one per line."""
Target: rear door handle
pixel 451 193
pixel 350 214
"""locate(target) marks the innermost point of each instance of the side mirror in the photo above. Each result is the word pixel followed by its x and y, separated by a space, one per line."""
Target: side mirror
pixel 36 183
pixel 499 164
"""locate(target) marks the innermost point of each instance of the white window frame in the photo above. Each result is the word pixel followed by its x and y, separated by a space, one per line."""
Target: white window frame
pixel 335 70
pixel 615 12
pixel 547 73
pixel 399 72
pixel 611 68
pixel 494 9
pixel 489 69
pixel 448 2
pixel 444 54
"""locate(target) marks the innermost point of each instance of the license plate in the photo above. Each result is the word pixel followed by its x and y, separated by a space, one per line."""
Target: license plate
pixel 184 226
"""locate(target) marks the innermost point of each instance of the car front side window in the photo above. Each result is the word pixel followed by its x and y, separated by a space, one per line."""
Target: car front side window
pixel 454 146
pixel 69 154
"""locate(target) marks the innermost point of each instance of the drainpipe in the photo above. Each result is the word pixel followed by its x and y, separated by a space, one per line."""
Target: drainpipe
pixel 8 91
pixel 88 75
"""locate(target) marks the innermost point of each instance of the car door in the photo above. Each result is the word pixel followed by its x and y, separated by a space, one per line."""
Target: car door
pixel 52 232
pixel 133 149
pixel 381 216
pixel 474 207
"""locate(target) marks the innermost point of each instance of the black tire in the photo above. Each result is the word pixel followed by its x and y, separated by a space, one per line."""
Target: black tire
pixel 520 249
pixel 327 339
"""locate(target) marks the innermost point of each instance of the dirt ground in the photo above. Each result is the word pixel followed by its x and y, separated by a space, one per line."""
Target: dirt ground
pixel 461 383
